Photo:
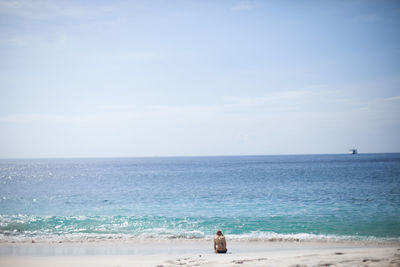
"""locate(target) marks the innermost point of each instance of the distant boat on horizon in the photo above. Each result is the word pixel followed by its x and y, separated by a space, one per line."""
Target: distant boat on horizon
pixel 353 151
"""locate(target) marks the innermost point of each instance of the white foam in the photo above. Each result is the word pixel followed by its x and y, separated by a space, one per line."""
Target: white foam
pixel 164 234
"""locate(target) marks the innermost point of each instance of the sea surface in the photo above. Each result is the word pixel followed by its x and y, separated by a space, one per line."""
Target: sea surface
pixel 301 197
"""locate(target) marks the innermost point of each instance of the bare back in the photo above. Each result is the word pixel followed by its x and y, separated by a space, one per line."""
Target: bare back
pixel 219 243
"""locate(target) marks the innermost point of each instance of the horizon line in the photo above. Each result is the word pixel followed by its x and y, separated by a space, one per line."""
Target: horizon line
pixel 190 156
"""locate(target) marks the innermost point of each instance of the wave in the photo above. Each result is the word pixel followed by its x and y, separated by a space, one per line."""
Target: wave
pixel 252 237
pixel 308 237
pixel 55 229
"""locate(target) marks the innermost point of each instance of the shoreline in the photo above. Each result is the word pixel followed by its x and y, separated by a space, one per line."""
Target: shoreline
pixel 117 238
pixel 10 238
pixel 198 253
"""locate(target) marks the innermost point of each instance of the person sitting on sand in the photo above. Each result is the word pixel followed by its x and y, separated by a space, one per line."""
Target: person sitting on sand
pixel 220 243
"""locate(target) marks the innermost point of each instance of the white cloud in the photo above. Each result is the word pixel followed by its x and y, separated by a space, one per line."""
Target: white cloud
pixel 242 6
pixel 393 98
pixel 57 40
pixel 15 41
pixel 260 100
pixel 237 125
pixel 128 112
pixel 292 94
pixel 117 107
pixel 34 117
pixel 275 104
pixel 9 3
pixel 42 9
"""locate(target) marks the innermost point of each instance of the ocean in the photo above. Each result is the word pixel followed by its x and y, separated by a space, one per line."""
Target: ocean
pixel 290 197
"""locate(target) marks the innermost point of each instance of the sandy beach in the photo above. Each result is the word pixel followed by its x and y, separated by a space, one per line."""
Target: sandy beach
pixel 199 253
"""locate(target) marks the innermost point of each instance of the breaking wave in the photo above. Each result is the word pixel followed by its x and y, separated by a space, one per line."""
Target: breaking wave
pixel 26 228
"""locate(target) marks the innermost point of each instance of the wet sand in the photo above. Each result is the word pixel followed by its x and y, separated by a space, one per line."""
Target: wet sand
pixel 199 253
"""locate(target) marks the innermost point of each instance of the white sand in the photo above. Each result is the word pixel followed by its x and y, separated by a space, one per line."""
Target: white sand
pixel 199 253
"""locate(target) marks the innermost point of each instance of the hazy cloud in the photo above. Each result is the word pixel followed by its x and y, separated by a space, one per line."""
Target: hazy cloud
pixel 242 6
pixel 367 18
pixel 260 100
pixel 117 107
pixel 393 98
pixel 9 3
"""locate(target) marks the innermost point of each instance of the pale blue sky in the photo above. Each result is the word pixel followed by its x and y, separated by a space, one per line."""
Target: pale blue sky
pixel 169 78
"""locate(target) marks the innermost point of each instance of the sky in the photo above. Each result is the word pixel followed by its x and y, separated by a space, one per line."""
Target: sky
pixel 196 78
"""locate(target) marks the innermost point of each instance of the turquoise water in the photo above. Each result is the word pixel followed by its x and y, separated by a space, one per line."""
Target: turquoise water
pixel 298 197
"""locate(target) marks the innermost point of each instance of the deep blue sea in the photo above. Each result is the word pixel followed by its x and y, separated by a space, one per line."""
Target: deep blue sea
pixel 301 197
